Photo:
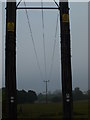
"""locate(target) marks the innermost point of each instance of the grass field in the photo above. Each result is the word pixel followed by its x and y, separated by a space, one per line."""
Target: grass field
pixel 51 111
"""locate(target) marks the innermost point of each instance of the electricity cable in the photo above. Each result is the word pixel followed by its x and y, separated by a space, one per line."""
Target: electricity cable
pixel 54 47
pixel 18 3
pixel 56 3
pixel 31 34
pixel 44 40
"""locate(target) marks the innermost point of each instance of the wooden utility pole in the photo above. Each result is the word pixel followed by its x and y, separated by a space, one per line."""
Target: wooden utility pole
pixel 46 81
pixel 10 61
pixel 66 61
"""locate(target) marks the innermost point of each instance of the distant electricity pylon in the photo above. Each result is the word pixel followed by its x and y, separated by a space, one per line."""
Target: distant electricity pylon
pixel 46 81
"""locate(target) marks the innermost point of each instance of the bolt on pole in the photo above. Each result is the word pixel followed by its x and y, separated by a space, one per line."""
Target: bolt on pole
pixel 66 61
pixel 10 61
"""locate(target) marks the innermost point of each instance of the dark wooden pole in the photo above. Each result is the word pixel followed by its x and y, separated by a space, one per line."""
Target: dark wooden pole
pixel 66 61
pixel 10 61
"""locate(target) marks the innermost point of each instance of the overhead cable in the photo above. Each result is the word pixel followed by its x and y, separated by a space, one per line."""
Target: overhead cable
pixel 18 3
pixel 56 3
pixel 52 58
pixel 33 40
pixel 44 40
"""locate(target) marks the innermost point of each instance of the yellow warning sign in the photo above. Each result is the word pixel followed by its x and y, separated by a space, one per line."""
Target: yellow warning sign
pixel 10 26
pixel 65 18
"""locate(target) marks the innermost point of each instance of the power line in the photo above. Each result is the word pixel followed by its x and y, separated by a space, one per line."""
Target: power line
pixel 56 3
pixel 33 40
pixel 18 3
pixel 52 58
pixel 44 40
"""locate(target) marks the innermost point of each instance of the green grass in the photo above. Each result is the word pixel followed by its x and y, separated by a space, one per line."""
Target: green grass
pixel 52 110
pixel 40 110
pixel 81 107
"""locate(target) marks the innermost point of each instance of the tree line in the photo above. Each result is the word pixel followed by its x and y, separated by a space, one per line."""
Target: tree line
pixel 57 95
pixel 30 96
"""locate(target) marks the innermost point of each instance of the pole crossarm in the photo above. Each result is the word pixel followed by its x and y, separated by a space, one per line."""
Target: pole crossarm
pixel 37 7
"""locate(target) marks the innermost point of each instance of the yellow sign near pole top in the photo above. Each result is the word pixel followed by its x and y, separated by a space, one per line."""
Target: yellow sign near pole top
pixel 10 26
pixel 65 18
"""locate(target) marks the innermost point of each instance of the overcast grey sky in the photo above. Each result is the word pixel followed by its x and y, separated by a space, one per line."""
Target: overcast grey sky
pixel 28 74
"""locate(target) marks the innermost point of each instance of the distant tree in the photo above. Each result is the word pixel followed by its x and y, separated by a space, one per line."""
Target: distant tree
pixel 78 94
pixel 88 92
pixel 56 99
pixel 26 97
pixel 32 96
pixel 56 96
pixel 41 97
pixel 21 96
pixel 57 92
